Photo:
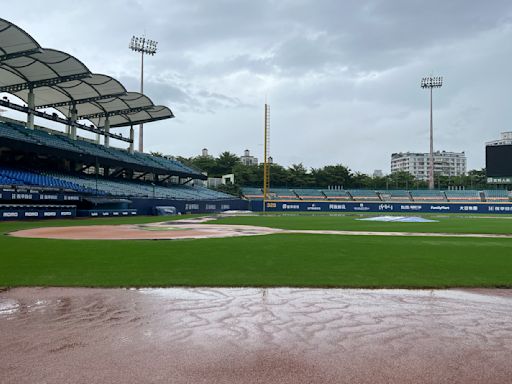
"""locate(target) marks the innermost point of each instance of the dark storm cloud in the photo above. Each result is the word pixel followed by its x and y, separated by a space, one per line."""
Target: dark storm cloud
pixel 343 77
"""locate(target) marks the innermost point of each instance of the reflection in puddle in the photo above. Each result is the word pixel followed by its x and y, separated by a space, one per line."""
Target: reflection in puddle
pixel 272 335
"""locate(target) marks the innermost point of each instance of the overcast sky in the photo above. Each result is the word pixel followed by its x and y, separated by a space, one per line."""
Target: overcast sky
pixel 342 78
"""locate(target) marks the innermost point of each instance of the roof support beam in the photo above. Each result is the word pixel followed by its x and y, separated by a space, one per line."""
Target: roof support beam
pixel 81 101
pixel 149 120
pixel 115 113
pixel 43 83
pixel 60 120
pixel 15 55
pixel 30 115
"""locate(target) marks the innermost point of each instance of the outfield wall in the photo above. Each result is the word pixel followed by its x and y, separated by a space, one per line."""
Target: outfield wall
pixel 380 207
pixel 143 206
pixel 24 212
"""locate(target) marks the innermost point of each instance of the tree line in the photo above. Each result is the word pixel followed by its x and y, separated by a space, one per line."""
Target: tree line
pixel 328 176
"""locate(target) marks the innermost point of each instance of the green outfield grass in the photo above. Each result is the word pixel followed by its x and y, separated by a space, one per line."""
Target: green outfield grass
pixel 450 224
pixel 273 260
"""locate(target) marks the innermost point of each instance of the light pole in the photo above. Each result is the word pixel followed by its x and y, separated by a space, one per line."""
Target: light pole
pixel 144 46
pixel 431 83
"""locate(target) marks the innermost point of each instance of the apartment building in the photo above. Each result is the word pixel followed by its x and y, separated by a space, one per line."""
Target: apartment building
pixel 418 164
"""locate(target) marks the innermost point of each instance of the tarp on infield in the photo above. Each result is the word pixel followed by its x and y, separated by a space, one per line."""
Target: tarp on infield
pixel 163 211
pixel 400 219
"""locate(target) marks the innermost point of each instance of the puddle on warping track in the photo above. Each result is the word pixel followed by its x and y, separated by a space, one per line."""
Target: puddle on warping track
pixel 255 335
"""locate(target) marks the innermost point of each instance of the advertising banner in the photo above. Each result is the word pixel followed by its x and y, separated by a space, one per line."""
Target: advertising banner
pixel 11 194
pixel 107 213
pixel 381 207
pixel 22 214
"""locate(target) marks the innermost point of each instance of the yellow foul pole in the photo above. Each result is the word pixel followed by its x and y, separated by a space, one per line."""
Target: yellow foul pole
pixel 266 173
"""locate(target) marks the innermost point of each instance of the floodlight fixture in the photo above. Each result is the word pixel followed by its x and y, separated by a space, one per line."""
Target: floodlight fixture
pixel 431 83
pixel 148 47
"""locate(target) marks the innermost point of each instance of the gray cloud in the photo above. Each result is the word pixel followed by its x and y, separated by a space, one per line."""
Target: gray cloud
pixel 342 78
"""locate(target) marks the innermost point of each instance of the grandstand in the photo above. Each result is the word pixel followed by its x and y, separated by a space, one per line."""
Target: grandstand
pixel 335 194
pixel 38 163
pixel 394 195
pixel 496 195
pixel 309 194
pixel 425 195
pixel 283 193
pixel 463 196
pixel 252 193
pixel 364 194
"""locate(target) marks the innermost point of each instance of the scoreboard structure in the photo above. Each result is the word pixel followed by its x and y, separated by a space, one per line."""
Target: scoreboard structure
pixel 498 160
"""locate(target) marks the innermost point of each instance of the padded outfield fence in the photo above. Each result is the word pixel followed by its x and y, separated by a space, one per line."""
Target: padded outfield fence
pixel 381 207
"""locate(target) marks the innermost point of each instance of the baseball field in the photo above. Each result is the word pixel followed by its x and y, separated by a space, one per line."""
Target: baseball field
pixel 411 255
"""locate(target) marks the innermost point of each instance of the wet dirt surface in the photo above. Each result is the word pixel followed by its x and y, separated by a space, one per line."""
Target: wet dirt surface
pixel 251 335
pixel 183 230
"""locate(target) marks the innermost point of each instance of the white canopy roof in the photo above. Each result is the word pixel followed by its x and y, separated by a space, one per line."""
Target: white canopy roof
pixel 158 112
pixel 81 91
pixel 39 70
pixel 15 42
pixel 60 80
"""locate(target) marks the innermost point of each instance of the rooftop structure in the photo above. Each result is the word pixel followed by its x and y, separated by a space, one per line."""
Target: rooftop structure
pixel 247 159
pixel 506 139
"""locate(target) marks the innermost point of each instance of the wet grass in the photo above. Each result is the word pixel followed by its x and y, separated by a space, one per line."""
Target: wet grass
pixel 450 224
pixel 298 260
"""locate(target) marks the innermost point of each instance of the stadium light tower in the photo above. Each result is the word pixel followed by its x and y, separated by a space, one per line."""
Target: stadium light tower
pixel 431 83
pixel 148 47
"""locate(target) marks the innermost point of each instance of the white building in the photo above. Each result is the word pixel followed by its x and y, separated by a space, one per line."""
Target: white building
pixel 204 153
pixel 247 159
pixel 418 164
pixel 506 139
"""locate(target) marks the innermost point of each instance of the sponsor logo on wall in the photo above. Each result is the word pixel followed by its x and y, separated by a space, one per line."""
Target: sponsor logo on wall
pixel 499 208
pixel 31 214
pixel 385 207
pixel 410 207
pixel 337 206
pixel 10 214
pixel 66 213
pixel 49 214
pixel 48 197
pixel 314 208
pixel 361 208
pixel 291 206
pixel 439 207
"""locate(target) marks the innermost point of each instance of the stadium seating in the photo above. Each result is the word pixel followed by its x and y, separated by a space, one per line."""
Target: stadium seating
pixel 18 132
pixel 335 194
pixel 18 176
pixel 496 195
pixel 394 195
pixel 283 193
pixel 364 194
pixel 463 195
pixel 309 194
pixel 252 193
pixel 426 195
pixel 88 184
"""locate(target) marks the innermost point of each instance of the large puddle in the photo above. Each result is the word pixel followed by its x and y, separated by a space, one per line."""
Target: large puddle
pixel 250 335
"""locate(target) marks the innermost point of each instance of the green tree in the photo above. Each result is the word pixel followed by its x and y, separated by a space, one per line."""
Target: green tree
pixel 248 175
pixel 225 163
pixel 298 176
